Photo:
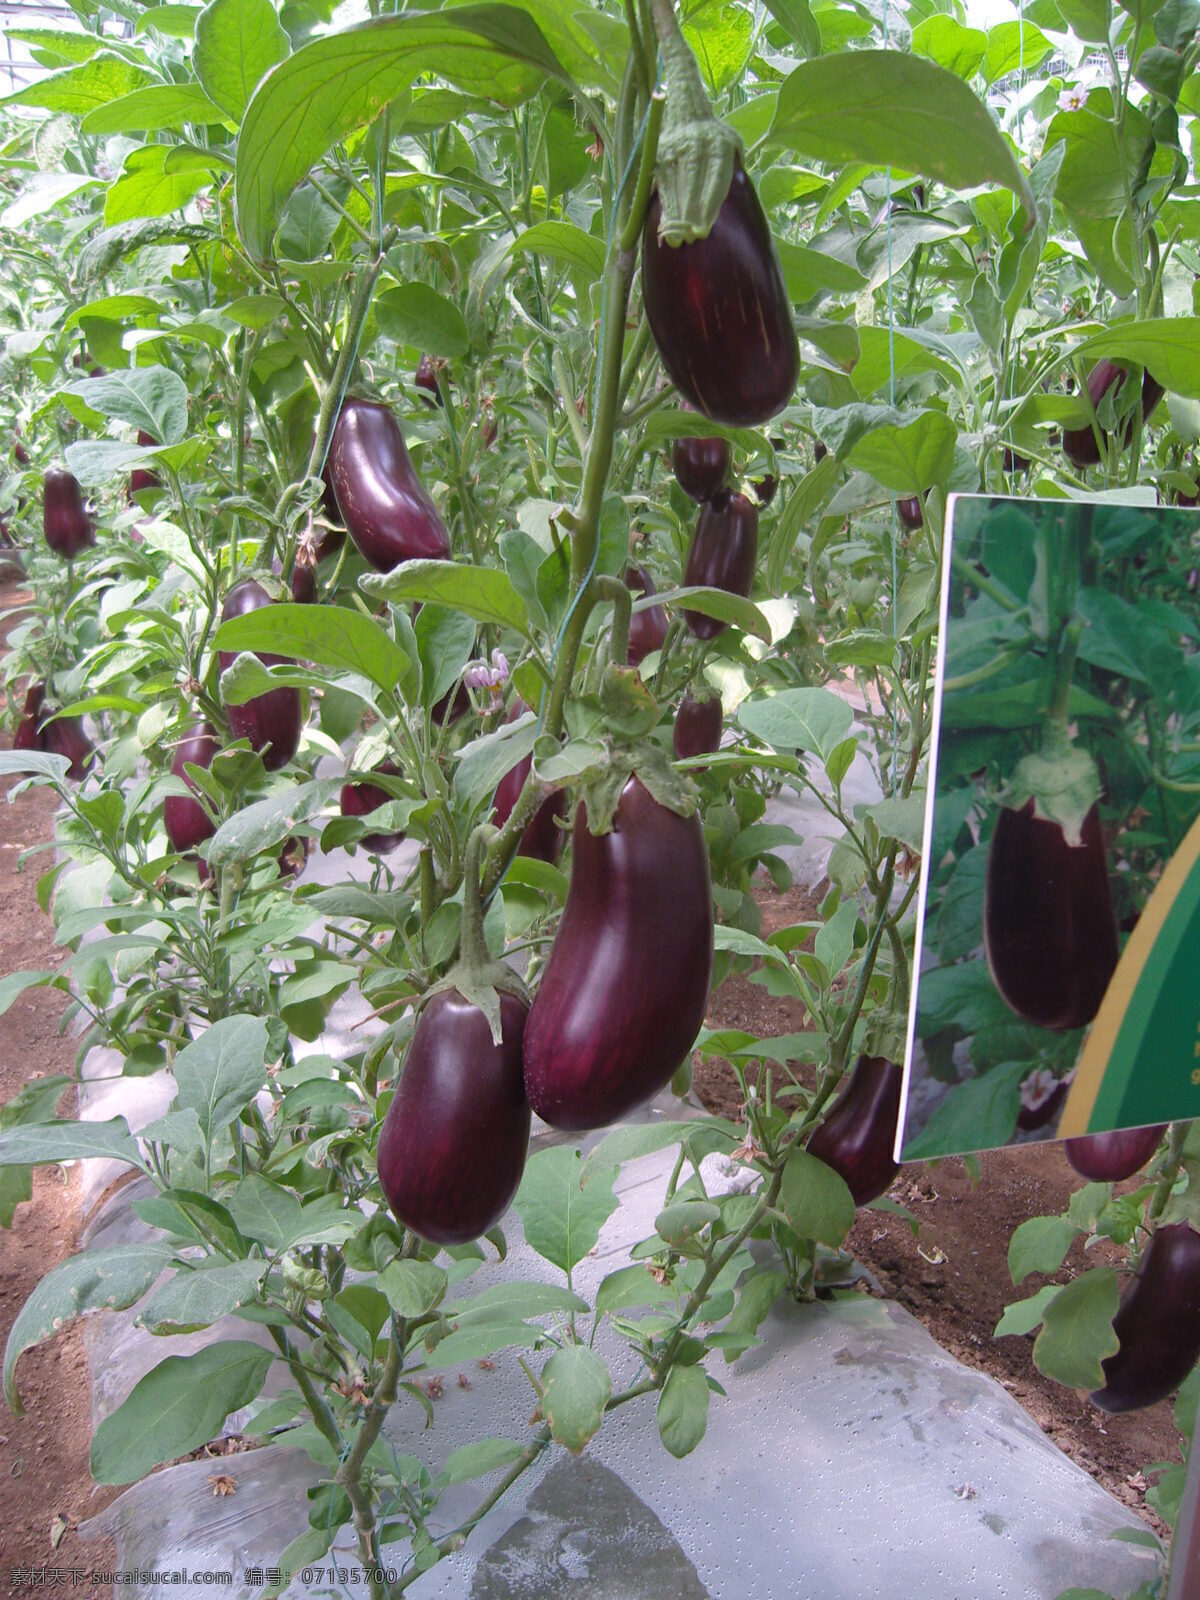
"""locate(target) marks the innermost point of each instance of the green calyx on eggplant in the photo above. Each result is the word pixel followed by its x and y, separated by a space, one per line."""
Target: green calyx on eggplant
pixel 719 311
pixel 700 465
pixel 1080 445
pixel 626 984
pixel 1112 1157
pixel 187 822
pixel 723 555
pixel 65 520
pixel 271 721
pixel 1157 1322
pixel 360 798
pixel 1049 930
pixel 140 478
pixel 648 628
pixel 385 506
pixel 452 1148
pixel 543 838
pixel 859 1131
pixel 698 727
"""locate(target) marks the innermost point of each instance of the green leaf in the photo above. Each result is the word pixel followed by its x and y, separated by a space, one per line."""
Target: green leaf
pixel 795 16
pixel 478 1459
pixel 632 1286
pixel 1023 1316
pixel 483 762
pixel 267 822
pixel 743 614
pixel 14 984
pixel 413 1287
pixel 834 942
pixel 889 108
pixel 153 185
pixel 683 1219
pixel 237 44
pixel 683 1410
pixel 484 593
pixel 445 640
pixel 96 1280
pixel 815 1199
pixel 564 243
pixel 332 636
pixel 576 1385
pixel 628 1143
pixel 1014 47
pixel 980 1114
pixel 1077 1332
pixel 908 457
pixel 758 1295
pixel 901 818
pixel 562 1220
pixel 178 1406
pixel 147 110
pixel 151 398
pixel 38 1142
pixel 417 315
pixel 338 83
pixel 943 39
pixel 219 1073
pixel 198 1297
pixel 1040 1244
pixel 798 719
pixel 1168 346
pixel 78 90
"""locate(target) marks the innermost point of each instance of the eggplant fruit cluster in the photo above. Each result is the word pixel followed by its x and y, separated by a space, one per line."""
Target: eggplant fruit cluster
pixel 64 736
pixel 1049 930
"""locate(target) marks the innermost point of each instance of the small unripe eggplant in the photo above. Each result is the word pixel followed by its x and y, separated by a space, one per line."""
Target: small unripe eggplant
pixel 65 520
pixel 701 465
pixel 361 798
pixel 1112 1157
pixel 1157 1322
pixel 427 381
pixel 1048 924
pixel 140 478
pixel 911 512
pixel 304 584
pixel 719 311
pixel 385 506
pixel 65 737
pixel 723 555
pixel 648 628
pixel 543 838
pixel 624 990
pixel 187 823
pixel 698 726
pixel 1014 462
pixel 28 735
pixel 452 1148
pixel 820 451
pixel 20 454
pixel 765 488
pixel 859 1130
pixel 1079 444
pixel 270 721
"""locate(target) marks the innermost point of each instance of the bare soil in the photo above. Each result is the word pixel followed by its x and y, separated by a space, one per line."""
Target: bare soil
pixel 953 1276
pixel 45 1485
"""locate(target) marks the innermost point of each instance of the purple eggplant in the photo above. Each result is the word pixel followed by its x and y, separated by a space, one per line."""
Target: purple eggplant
pixel 384 505
pixel 452 1148
pixel 698 726
pixel 723 555
pixel 140 478
pixel 359 799
pixel 626 984
pixel 719 311
pixel 648 628
pixel 187 823
pixel 1157 1322
pixel 911 512
pixel 65 737
pixel 28 735
pixel 1048 924
pixel 65 520
pixel 1079 444
pixel 701 465
pixel 1112 1157
pixel 859 1130
pixel 427 381
pixel 270 721
pixel 543 838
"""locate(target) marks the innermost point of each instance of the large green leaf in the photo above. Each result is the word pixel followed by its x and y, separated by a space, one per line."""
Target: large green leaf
pixel 484 593
pixel 166 105
pixel 799 719
pixel 155 181
pixel 220 1072
pixel 1077 1332
pixel 96 1280
pixel 416 314
pixel 78 90
pixel 1168 346
pixel 576 1385
pixel 333 636
pixel 683 1410
pixel 888 108
pixel 37 1142
pixel 562 1220
pixel 151 398
pixel 267 822
pixel 178 1406
pixel 336 84
pixel 197 1297
pixel 237 44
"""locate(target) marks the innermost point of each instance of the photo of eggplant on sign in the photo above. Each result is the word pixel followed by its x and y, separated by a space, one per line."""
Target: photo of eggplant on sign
pixel 1058 932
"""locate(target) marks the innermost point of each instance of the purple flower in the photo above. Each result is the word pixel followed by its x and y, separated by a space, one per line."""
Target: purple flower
pixel 480 676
